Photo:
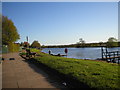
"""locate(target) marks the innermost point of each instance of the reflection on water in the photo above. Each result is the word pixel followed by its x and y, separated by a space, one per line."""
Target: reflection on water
pixel 79 53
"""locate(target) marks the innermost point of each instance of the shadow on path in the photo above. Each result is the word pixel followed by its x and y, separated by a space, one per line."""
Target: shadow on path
pixel 56 81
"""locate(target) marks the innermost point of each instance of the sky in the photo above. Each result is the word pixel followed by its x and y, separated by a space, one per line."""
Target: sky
pixel 63 23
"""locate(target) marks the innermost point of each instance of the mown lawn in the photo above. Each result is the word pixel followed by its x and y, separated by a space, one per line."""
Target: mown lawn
pixel 95 74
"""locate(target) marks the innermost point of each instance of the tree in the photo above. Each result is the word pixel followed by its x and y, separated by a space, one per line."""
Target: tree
pixel 112 42
pixel 81 43
pixel 35 44
pixel 9 31
pixel 112 39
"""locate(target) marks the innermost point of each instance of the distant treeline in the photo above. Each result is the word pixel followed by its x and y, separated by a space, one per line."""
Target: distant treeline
pixel 105 44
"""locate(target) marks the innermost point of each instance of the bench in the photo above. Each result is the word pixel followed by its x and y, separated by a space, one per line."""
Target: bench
pixel 29 53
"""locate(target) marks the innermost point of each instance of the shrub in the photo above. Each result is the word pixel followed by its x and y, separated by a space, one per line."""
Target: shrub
pixel 13 47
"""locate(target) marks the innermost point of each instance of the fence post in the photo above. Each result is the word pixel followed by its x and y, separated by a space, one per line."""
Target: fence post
pixel 106 53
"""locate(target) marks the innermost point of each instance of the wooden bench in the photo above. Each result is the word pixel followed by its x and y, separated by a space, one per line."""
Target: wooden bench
pixel 29 53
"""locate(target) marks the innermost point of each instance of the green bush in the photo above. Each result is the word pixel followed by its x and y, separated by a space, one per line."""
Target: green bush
pixel 13 47
pixel 4 49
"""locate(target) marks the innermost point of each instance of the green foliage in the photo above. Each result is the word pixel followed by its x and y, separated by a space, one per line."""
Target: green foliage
pixel 112 39
pixel 112 42
pixel 9 31
pixel 34 50
pixel 81 43
pixel 21 44
pixel 35 44
pixel 12 47
pixel 96 74
pixel 23 53
pixel 4 49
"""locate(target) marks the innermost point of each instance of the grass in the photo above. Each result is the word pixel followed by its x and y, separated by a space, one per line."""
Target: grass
pixel 31 49
pixel 35 50
pixel 95 74
pixel 23 53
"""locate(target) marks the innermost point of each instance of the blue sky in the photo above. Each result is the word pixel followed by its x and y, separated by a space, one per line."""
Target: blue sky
pixel 63 22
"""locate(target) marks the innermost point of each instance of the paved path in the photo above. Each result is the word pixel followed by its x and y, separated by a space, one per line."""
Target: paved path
pixel 20 74
pixel 0 76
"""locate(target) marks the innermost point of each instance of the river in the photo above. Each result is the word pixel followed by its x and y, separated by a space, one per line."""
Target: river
pixel 79 53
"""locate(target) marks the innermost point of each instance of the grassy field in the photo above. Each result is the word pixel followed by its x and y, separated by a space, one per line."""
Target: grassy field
pixel 95 74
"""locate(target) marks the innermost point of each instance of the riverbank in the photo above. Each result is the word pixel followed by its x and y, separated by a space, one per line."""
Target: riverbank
pixel 84 73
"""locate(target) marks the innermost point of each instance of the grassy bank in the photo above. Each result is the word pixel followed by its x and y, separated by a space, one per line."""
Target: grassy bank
pixel 94 74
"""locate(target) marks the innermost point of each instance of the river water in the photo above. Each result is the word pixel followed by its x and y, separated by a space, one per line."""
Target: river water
pixel 80 53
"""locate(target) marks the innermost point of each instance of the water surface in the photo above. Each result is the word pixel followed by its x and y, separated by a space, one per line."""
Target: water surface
pixel 79 53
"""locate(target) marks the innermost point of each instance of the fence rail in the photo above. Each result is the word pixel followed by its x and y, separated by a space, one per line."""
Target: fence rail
pixel 112 56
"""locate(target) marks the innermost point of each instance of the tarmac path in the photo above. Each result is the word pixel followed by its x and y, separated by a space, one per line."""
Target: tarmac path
pixel 21 74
